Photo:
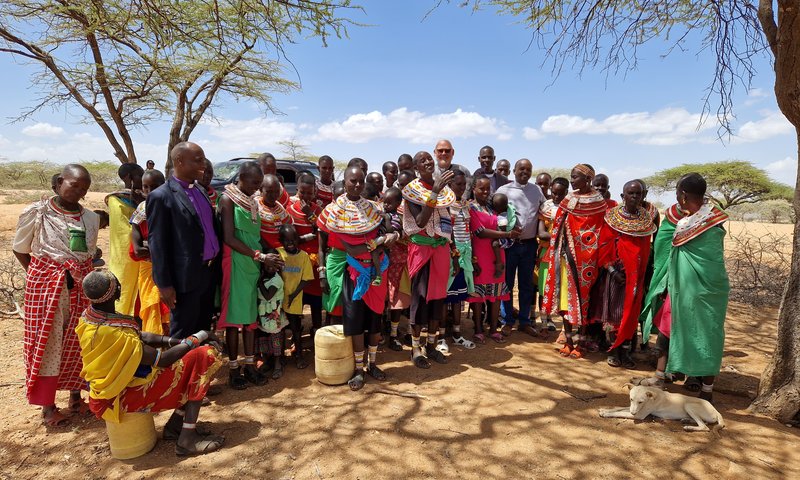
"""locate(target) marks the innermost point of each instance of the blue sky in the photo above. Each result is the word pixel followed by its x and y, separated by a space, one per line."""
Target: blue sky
pixel 401 83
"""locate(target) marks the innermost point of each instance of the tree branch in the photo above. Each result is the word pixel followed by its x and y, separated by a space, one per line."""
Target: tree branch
pixel 766 16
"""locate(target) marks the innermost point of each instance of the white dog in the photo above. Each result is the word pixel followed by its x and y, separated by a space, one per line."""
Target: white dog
pixel 669 406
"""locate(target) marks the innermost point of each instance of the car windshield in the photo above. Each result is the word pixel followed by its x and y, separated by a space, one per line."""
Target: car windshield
pixel 225 170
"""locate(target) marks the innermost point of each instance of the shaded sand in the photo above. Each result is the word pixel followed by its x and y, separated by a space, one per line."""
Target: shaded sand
pixel 499 411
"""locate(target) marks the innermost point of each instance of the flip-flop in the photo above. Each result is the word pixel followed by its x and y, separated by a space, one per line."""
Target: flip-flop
pixel 613 361
pixel 576 354
pixel 498 337
pixel 565 351
pixel 479 338
pixel 210 443
pixel 56 420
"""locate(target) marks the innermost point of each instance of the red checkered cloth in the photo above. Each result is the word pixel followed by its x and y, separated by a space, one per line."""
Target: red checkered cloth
pixel 43 283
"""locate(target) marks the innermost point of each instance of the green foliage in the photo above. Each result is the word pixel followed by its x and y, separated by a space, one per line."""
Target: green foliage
pixel 37 175
pixel 127 63
pixel 768 211
pixel 730 183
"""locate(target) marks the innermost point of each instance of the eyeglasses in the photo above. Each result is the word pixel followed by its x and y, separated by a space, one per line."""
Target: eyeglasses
pixel 444 150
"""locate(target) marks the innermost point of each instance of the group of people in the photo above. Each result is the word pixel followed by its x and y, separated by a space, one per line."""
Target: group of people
pixel 416 241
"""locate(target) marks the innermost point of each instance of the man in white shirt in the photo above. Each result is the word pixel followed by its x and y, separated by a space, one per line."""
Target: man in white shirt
pixel 521 256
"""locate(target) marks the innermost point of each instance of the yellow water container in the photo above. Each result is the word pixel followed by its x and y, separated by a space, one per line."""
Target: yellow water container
pixel 134 436
pixel 333 356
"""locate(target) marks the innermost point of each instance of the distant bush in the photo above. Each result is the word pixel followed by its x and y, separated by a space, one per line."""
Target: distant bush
pixel 36 175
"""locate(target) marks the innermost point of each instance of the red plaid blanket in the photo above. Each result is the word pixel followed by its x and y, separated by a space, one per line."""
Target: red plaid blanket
pixel 43 283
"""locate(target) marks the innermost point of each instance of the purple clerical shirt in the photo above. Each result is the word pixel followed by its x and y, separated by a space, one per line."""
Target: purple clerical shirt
pixel 203 208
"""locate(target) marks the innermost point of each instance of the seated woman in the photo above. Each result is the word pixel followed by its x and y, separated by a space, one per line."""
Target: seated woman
pixel 128 371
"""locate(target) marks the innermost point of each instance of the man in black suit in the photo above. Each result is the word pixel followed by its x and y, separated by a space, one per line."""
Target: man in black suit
pixel 184 243
pixel 486 159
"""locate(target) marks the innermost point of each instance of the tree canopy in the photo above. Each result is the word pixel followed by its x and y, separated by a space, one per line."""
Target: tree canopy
pixel 730 183
pixel 127 63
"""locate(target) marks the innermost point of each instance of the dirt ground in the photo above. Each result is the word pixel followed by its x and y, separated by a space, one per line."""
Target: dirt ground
pixel 500 411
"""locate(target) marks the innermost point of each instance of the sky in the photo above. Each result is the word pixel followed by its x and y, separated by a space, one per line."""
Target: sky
pixel 404 80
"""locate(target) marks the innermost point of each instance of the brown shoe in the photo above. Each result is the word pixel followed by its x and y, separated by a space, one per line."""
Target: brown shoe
pixel 529 330
pixel 506 330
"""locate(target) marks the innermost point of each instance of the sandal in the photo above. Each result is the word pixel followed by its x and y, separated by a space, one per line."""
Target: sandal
pixel 497 337
pixel 208 444
pixel 505 331
pixel 79 407
pixel 252 376
pixel 170 434
pixel 442 346
pixel 420 361
pixel 55 419
pixel 551 327
pixel 591 347
pixel 300 362
pixel 435 354
pixel 376 372
pixel 463 342
pixel 236 380
pixel 693 384
pixel 565 351
pixel 576 353
pixel 357 382
pixel 277 373
pixel 394 344
pixel 613 361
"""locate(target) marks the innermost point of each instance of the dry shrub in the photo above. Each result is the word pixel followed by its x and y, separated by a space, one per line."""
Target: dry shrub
pixel 758 267
pixel 12 285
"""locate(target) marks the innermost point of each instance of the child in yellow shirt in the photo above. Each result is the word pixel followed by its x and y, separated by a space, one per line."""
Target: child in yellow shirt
pixel 297 271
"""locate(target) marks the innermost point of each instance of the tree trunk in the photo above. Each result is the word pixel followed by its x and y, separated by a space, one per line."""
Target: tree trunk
pixel 779 389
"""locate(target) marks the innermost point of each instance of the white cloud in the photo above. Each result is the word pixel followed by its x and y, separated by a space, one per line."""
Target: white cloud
pixel 42 129
pixel 783 170
pixel 772 124
pixel 252 135
pixel 79 147
pixel 531 134
pixel 670 126
pixel 414 126
pixel 754 96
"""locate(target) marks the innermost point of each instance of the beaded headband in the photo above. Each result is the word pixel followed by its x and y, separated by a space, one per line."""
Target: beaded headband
pixel 585 170
pixel 112 287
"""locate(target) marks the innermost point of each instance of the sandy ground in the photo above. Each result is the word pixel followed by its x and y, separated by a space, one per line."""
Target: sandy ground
pixel 500 411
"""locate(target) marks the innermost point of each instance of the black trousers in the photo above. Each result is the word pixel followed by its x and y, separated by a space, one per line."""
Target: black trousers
pixel 194 309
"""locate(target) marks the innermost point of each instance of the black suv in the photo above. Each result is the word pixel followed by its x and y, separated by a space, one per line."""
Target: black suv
pixel 228 172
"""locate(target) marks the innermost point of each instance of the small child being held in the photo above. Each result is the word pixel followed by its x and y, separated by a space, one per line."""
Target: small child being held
pixel 271 317
pixel 506 221
pixel 297 271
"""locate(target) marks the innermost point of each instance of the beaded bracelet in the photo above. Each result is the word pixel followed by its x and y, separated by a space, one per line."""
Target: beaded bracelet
pixel 158 357
pixel 257 255
pixel 192 341
pixel 455 253
pixel 371 245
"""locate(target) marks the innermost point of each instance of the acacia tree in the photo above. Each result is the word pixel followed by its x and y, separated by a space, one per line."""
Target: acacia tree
pixel 730 183
pixel 125 63
pixel 606 34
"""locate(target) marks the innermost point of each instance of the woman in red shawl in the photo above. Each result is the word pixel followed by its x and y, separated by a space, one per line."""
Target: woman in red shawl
pixel 573 256
pixel 304 211
pixel 624 252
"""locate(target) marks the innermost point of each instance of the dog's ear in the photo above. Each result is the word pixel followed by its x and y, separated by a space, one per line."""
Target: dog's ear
pixel 650 394
pixel 628 386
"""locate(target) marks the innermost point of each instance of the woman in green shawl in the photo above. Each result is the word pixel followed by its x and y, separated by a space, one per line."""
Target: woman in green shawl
pixel 688 295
